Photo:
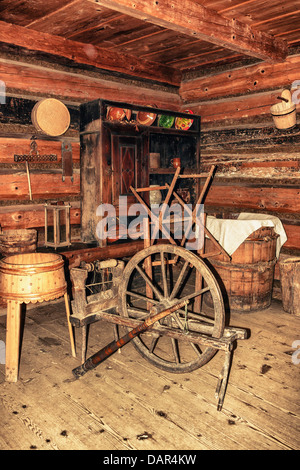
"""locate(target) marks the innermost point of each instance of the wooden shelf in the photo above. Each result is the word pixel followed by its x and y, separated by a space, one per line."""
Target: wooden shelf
pixel 151 129
pixel 170 171
pixel 154 128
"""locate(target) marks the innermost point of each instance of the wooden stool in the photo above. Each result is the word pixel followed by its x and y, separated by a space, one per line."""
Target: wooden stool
pixel 29 278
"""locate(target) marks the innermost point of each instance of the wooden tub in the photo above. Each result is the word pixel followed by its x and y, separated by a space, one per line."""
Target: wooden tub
pixel 247 280
pixel 18 241
pixel 32 277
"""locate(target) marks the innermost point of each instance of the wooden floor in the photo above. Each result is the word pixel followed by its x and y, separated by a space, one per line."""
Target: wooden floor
pixel 127 404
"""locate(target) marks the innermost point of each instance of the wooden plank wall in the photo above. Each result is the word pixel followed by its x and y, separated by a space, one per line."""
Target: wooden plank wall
pixel 258 165
pixel 257 172
pixel 17 210
pixel 29 79
pixel 242 95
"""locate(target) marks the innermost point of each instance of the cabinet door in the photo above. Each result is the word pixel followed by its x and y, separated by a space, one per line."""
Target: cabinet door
pixel 127 167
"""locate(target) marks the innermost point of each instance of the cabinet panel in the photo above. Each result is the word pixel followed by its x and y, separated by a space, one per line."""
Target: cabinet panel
pixel 126 166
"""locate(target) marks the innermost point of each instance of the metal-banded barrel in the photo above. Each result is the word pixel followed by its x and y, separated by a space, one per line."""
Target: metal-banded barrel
pixel 247 280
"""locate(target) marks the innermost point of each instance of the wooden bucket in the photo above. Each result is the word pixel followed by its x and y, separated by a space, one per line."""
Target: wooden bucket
pixel 18 241
pixel 247 280
pixel 290 284
pixel 32 277
pixel 51 117
pixel 284 115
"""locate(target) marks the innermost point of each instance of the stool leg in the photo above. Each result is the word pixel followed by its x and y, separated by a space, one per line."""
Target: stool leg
pixel 69 324
pixel 13 324
pixel 84 340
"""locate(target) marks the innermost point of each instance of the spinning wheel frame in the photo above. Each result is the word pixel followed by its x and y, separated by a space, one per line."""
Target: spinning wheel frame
pixel 194 329
pixel 181 326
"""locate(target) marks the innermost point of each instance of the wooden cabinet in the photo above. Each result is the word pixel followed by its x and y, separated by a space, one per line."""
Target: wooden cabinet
pixel 129 166
pixel 115 154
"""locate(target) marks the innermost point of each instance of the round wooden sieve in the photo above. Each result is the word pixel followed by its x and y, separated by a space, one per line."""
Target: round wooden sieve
pixel 51 117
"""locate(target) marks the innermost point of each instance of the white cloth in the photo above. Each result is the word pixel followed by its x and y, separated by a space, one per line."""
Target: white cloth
pixel 231 233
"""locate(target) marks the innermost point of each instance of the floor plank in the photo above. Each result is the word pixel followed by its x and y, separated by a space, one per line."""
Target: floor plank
pixel 126 404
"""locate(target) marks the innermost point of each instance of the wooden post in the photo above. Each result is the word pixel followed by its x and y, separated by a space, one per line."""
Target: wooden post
pixel 55 227
pixel 148 261
pixel 290 284
pixel 13 323
pixel 198 281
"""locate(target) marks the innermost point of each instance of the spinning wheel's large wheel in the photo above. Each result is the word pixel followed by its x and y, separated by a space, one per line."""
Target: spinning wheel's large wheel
pixel 172 279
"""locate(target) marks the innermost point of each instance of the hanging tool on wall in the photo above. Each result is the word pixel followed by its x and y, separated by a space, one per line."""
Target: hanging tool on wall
pixel 67 160
pixel 28 178
pixel 33 156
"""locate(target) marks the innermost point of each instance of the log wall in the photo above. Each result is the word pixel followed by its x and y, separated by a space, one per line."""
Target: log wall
pixel 28 80
pixel 242 95
pixel 258 166
pixel 256 173
pixel 17 210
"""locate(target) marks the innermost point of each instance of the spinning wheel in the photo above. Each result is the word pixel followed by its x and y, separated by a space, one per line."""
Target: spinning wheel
pixel 170 345
pixel 158 299
pixel 159 277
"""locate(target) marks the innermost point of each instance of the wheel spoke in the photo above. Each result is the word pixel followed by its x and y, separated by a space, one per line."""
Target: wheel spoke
pixel 182 327
pixel 137 313
pixel 195 294
pixel 153 343
pixel 174 342
pixel 197 317
pixel 163 272
pixel 178 282
pixel 141 297
pixel 175 350
pixel 149 282
pixel 196 349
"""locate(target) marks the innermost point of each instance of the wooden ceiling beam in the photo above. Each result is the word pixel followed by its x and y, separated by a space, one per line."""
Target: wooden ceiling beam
pixel 88 54
pixel 190 18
